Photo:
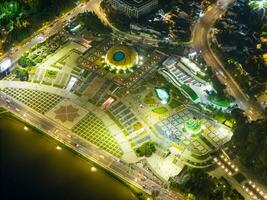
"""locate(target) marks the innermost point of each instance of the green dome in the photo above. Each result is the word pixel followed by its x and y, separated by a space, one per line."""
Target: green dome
pixel 193 126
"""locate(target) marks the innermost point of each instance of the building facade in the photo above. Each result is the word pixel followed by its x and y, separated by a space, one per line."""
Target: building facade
pixel 134 8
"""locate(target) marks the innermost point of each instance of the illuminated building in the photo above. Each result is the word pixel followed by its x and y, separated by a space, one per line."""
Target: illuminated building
pixel 134 8
pixel 193 126
pixel 108 102
pixel 121 58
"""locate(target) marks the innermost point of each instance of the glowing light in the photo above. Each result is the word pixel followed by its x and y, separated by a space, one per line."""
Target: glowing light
pixel 121 58
pixel 5 64
pixel 163 95
pixel 193 126
pixel 26 128
pixel 108 102
pixel 93 169
pixel 259 5
pixel 58 148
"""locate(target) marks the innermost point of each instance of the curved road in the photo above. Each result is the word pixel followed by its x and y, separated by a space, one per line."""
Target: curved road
pixel 57 24
pixel 201 41
pixel 48 30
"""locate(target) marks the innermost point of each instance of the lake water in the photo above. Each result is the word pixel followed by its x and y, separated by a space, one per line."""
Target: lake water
pixel 32 169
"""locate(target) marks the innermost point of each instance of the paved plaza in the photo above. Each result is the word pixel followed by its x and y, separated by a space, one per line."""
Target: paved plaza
pixel 67 113
pixel 42 102
pixel 93 129
pixel 212 134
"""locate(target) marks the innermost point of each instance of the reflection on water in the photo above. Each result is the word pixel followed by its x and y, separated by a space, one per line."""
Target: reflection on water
pixel 33 168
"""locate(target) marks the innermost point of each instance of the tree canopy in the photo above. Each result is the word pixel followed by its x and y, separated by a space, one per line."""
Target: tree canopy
pixel 196 184
pixel 249 142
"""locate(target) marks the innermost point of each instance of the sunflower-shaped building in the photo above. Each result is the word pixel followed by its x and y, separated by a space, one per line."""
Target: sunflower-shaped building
pixel 121 58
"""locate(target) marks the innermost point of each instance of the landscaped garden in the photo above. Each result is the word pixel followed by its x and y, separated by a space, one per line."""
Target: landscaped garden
pixel 51 74
pixel 38 53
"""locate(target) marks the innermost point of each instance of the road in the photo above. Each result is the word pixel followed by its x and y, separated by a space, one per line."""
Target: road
pixel 237 178
pixel 201 38
pixel 131 173
pixel 137 176
pixel 49 29
pixel 56 25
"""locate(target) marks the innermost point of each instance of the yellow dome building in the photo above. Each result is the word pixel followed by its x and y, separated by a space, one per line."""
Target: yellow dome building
pixel 121 58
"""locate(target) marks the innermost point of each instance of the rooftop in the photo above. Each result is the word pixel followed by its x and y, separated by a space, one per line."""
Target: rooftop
pixel 135 3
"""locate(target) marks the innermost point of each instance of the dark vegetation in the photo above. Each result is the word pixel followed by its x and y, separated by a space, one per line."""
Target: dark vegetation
pixel 145 149
pixel 93 23
pixel 180 14
pixel 20 18
pixel 196 184
pixel 249 143
pixel 240 37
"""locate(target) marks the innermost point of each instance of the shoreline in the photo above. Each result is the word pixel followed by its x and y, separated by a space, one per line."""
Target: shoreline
pixel 137 193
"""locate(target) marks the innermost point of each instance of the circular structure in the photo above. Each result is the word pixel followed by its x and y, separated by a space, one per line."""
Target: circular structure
pixel 118 56
pixel 193 126
pixel 121 58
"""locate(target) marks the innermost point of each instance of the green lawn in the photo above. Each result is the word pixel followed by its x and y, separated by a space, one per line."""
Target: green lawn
pixel 190 92
pixel 150 99
pixel 219 102
pixel 51 74
pixel 160 110
pixel 175 103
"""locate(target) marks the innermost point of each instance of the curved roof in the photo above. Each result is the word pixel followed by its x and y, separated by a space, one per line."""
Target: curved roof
pixel 121 57
pixel 193 126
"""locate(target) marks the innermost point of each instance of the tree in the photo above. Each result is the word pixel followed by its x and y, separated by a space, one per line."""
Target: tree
pixel 22 74
pixel 196 184
pixel 249 143
pixel 25 61
pixel 93 23
pixel 145 149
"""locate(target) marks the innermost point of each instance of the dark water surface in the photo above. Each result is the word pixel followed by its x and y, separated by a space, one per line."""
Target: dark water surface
pixel 32 169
